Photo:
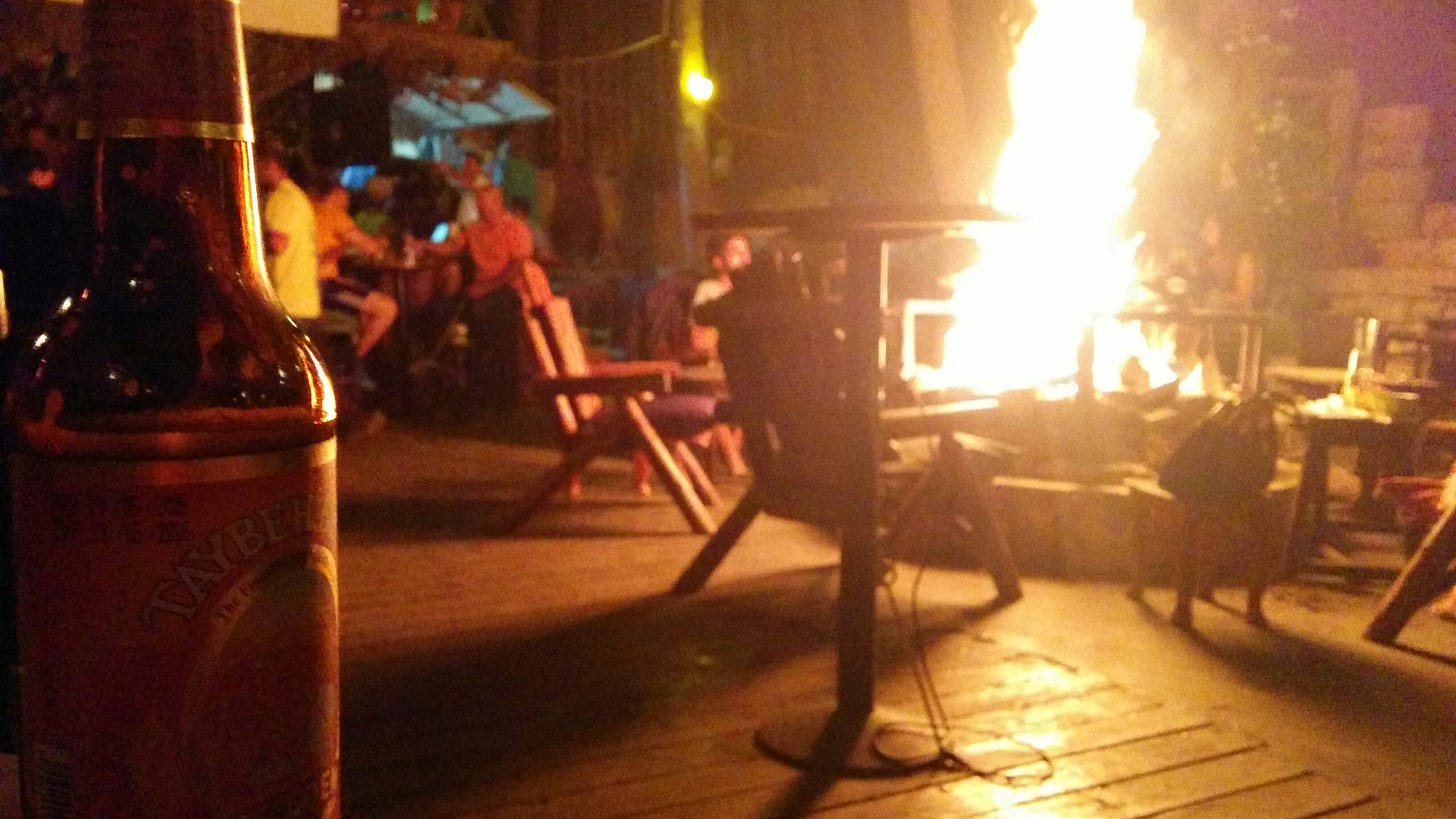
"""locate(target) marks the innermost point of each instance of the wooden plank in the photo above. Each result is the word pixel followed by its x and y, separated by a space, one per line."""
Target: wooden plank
pixel 1310 795
pixel 1101 704
pixel 1060 713
pixel 1023 679
pixel 671 793
pixel 636 783
pixel 722 764
pixel 648 755
pixel 560 751
pixel 1166 790
pixel 980 796
pixel 1085 759
pixel 1000 753
pixel 478 715
pixel 1393 808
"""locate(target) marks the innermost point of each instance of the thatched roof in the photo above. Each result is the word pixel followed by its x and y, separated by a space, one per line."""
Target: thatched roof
pixel 409 53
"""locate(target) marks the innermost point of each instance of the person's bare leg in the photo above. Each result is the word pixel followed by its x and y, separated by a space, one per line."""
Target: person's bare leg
pixel 641 473
pixel 376 313
pixel 730 443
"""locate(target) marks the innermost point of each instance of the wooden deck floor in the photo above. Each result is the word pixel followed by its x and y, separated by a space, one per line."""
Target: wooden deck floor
pixel 547 674
pixel 1036 739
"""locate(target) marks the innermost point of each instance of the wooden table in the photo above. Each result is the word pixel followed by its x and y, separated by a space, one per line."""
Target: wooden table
pixel 1306 382
pixel 394 275
pixel 1384 446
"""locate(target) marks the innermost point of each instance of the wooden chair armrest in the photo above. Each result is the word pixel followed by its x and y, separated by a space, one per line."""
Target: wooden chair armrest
pixel 612 378
pixel 635 369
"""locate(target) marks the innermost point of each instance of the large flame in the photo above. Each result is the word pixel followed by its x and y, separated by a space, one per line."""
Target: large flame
pixel 1066 176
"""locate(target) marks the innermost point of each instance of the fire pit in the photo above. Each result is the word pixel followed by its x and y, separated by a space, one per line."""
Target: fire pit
pixel 1065 501
pixel 1059 316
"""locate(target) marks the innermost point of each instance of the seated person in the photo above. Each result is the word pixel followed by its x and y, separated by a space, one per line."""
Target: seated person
pixel 503 282
pixel 335 234
pixel 667 330
pixel 729 256
pixel 663 326
pixel 289 233
pixel 728 253
pixel 432 300
pixel 372 212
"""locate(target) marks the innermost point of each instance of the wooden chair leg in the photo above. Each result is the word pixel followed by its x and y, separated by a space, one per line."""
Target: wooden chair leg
pixel 717 547
pixel 1424 578
pixel 970 497
pixel 729 440
pixel 677 483
pixel 995 551
pixel 693 468
pixel 566 471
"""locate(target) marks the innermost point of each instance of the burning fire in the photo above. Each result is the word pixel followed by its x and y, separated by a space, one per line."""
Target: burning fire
pixel 1066 176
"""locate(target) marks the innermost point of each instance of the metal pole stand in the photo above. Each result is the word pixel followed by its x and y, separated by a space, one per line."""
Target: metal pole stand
pixel 845 736
pixel 849 736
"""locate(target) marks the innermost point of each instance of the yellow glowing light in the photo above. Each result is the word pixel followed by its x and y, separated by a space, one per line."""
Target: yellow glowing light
pixel 698 86
pixel 1066 175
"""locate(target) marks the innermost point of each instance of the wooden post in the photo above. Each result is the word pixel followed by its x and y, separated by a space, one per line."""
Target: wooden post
pixel 934 45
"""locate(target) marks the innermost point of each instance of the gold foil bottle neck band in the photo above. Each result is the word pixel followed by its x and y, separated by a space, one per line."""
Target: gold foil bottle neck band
pixel 164 68
pixel 153 128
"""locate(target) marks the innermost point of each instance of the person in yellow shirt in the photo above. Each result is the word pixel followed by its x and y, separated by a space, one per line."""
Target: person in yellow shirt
pixel 335 234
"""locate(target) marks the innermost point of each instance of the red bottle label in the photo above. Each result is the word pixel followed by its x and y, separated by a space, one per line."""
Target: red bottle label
pixel 179 636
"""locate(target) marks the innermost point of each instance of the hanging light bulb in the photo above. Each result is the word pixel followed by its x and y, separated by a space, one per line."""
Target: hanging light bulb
pixel 698 86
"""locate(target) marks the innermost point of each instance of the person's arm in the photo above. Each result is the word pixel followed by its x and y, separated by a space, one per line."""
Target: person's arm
pixel 363 242
pixel 275 239
pixel 454 244
pixel 483 282
pixel 703 336
pixel 704 341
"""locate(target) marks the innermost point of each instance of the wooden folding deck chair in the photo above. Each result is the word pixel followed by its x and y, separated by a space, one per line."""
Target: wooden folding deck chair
pixel 598 406
pixel 1430 569
pixel 1429 573
pixel 784 365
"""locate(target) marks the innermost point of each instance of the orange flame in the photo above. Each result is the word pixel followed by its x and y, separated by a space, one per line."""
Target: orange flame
pixel 1066 176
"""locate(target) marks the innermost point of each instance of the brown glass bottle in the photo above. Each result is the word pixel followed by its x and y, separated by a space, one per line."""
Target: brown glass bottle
pixel 174 488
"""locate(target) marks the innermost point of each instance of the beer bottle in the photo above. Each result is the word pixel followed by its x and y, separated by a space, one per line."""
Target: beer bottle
pixel 173 469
